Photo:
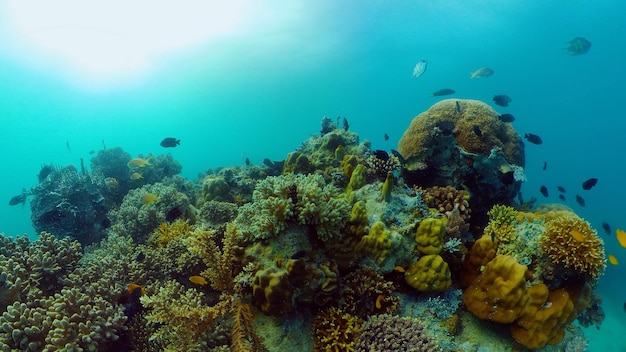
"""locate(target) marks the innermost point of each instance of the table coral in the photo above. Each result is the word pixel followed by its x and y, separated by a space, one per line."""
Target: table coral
pixel 569 241
pixel 429 273
pixel 430 235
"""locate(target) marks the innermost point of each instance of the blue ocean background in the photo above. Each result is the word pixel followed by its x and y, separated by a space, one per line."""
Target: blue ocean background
pixel 259 89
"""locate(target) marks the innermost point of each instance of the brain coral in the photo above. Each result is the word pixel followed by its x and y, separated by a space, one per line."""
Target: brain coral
pixel 571 242
pixel 414 144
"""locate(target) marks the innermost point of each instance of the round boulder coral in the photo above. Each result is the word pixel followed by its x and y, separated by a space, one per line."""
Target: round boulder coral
pixel 571 242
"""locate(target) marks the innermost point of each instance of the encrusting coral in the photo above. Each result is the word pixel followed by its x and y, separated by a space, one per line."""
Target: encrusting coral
pixel 569 241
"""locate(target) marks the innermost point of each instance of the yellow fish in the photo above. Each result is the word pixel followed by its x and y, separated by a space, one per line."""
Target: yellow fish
pixel 198 280
pixel 150 198
pixel 136 176
pixel 139 162
pixel 621 237
pixel 612 259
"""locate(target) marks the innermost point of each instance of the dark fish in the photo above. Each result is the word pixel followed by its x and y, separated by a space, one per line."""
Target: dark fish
pixel 578 46
pixel 399 156
pixel 170 142
pixel 533 138
pixel 506 118
pixel 587 185
pixel 502 100
pixel 466 236
pixel 441 92
pixel 561 189
pixel 104 145
pixel 130 302
pixel 458 107
pixel 381 154
pixel 346 125
pixel 19 199
pixel 624 306
pixel 299 254
pixel 140 257
pixel 446 127
pixel 247 161
pixel 544 191
pixel 562 197
pixel 493 236
pixel 67 145
pixel 606 227
pixel 545 165
pixel 386 136
pixel 580 200
pixel 173 214
pixel 91 152
pixel 508 177
pixel 477 130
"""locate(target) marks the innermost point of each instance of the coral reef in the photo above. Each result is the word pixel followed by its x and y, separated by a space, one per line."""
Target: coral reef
pixel 365 292
pixel 335 331
pixel 386 333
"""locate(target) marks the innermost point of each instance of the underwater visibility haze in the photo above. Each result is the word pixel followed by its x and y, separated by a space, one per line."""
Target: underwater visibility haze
pixel 299 176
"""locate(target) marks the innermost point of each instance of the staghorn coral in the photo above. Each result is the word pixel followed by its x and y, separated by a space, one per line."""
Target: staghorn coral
pixel 570 242
pixel 165 233
pixel 386 333
pixel 335 331
pixel 365 292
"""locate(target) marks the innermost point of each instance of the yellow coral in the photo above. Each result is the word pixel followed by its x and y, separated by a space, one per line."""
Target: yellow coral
pixel 483 251
pixel 501 223
pixel 571 242
pixel 377 243
pixel 165 233
pixel 348 164
pixel 357 225
pixel 429 236
pixel 335 331
pixel 429 273
pixel 357 179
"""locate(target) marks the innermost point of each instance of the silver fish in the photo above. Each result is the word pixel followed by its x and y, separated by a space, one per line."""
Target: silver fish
pixel 420 68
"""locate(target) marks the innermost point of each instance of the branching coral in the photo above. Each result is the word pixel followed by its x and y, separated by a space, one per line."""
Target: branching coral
pixel 502 219
pixel 570 241
pixel 445 199
pixel 335 331
pixel 386 333
pixel 365 292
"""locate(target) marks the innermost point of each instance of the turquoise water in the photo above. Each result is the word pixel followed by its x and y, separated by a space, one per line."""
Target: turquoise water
pixel 261 89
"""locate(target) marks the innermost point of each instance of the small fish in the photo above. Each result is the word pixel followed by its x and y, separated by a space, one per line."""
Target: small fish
pixel 136 176
pixel 578 46
pixel 477 130
pixel 140 257
pixel 562 197
pixel 502 100
pixel 624 306
pixel 493 236
pixel 379 301
pixel 612 259
pixel 92 152
pixel 587 185
pixel 170 142
pixel 173 214
pixel 399 156
pixel 198 280
pixel 441 92
pixel 132 287
pixel 139 162
pixel 561 189
pixel 580 200
pixel 67 145
pixel 545 165
pixel 19 199
pixel 299 254
pixel 247 161
pixel 506 118
pixel 150 198
pixel 482 72
pixel 386 136
pixel 544 191
pixel 346 125
pixel 420 68
pixel 533 138
pixel 606 227
pixel 621 237
pixel 381 154
pixel 398 268
pixel 458 108
pixel 446 127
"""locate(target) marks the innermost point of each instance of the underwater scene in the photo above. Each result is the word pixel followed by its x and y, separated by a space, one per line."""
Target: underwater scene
pixel 312 176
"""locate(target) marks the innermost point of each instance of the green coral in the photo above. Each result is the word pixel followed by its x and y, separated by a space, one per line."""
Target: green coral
pixel 377 243
pixel 429 236
pixel 429 273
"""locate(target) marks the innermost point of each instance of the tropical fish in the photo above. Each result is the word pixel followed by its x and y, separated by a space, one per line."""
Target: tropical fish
pixel 502 100
pixel 139 162
pixel 67 145
pixel 562 197
pixel 170 142
pixel 621 237
pixel 580 200
pixel 130 299
pixel 533 138
pixel 544 191
pixel 346 125
pixel 398 268
pixel 477 130
pixel 92 152
pixel 458 107
pixel 136 176
pixel 506 118
pixel 198 280
pixel 386 136
pixel 111 182
pixel 545 165
pixel 420 68
pixel 173 214
pixel 606 227
pixel 578 46
pixel 19 199
pixel 587 185
pixel 561 189
pixel 482 72
pixel 612 259
pixel 150 198
pixel 140 257
pixel 441 92
pixel 379 301
pixel 446 127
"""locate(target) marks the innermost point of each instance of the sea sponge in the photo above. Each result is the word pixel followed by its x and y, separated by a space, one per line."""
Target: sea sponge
pixel 499 293
pixel 335 331
pixel 348 164
pixel 377 243
pixel 429 236
pixel 417 139
pixel 569 241
pixel 272 291
pixel 358 178
pixel 429 273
